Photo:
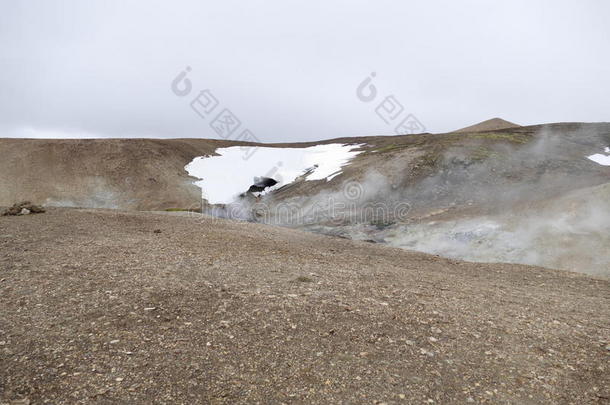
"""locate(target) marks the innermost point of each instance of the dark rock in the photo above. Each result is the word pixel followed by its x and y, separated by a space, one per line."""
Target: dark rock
pixel 23 208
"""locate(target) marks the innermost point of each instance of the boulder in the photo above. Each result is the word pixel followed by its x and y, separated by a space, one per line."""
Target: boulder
pixel 24 208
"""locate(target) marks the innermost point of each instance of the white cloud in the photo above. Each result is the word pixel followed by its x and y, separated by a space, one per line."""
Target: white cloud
pixel 289 69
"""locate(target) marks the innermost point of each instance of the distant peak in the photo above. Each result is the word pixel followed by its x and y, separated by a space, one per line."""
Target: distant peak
pixel 489 125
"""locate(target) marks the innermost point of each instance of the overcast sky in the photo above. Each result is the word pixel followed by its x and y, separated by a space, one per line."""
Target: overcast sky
pixel 289 70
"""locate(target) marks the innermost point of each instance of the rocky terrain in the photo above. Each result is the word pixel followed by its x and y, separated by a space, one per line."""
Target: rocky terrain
pixel 434 171
pixel 524 195
pixel 491 192
pixel 136 298
pixel 106 306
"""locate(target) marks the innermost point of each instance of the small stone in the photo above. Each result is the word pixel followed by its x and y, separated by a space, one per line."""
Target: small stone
pixel 426 352
pixel 401 396
pixel 470 399
pixel 433 339
pixel 118 379
pixel 114 342
pixel 409 342
pixel 149 309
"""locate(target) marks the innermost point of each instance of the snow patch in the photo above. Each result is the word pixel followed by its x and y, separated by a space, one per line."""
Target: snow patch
pixel 224 177
pixel 601 159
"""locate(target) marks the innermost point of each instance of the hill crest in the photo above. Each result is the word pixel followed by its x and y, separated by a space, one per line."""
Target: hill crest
pixel 489 125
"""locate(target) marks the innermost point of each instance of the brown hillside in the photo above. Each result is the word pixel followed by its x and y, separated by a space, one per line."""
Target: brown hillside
pixel 489 125
pixel 149 174
pixel 102 306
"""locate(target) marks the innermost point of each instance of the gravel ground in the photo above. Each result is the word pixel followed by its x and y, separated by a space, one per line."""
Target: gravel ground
pixel 124 307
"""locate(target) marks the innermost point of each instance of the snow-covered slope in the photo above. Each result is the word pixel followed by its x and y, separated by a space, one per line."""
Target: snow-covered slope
pixel 232 171
pixel 602 159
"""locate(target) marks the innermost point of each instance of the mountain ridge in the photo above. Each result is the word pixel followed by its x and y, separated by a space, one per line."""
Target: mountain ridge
pixel 489 125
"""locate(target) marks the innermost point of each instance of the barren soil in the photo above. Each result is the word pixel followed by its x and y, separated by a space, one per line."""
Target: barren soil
pixel 461 170
pixel 132 307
